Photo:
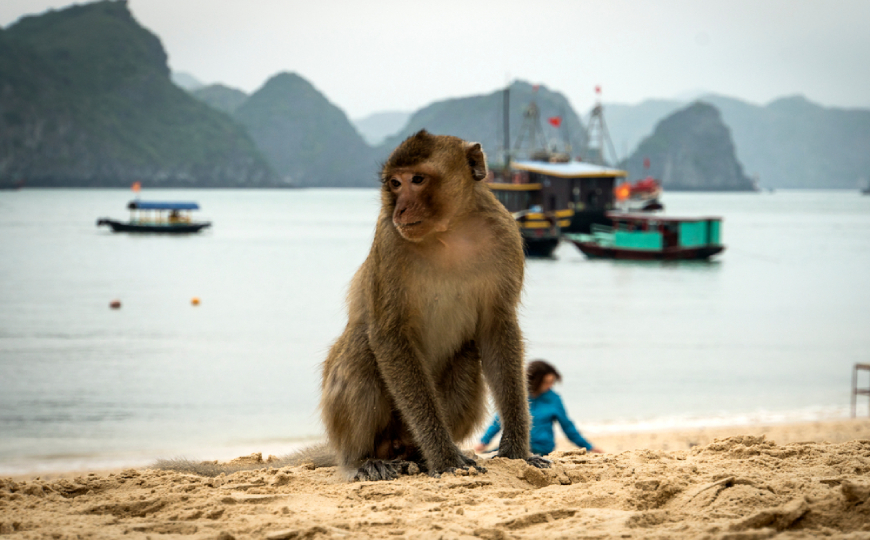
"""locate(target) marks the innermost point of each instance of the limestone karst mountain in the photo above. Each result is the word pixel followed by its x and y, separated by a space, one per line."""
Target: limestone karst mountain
pixel 307 139
pixel 87 100
pixel 690 150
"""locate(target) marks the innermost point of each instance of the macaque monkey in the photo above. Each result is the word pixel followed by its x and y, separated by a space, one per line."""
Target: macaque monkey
pixel 431 315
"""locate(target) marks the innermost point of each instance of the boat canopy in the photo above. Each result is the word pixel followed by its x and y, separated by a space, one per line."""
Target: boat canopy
pixel 570 169
pixel 160 205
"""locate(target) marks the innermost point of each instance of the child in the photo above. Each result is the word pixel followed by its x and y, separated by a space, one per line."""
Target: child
pixel 545 407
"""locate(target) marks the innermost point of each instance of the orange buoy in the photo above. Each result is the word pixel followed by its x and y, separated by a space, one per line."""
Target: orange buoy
pixel 194 301
pixel 115 304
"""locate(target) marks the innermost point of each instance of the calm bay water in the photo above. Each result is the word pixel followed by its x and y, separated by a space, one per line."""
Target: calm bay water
pixel 766 332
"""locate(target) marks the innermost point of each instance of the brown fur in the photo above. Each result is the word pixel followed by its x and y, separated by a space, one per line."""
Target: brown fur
pixel 431 314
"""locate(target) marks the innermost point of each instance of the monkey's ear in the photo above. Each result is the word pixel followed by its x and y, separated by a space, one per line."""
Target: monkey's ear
pixel 476 160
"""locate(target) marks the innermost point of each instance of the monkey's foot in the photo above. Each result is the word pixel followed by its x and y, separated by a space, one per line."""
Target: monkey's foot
pixel 380 469
pixel 539 462
pixel 466 464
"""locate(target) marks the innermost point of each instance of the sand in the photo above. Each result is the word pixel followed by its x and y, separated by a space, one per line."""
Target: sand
pixel 790 481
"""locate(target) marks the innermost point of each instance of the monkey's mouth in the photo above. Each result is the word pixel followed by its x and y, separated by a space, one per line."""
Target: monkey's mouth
pixel 407 225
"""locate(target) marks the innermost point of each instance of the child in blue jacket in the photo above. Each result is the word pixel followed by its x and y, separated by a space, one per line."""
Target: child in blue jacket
pixel 545 407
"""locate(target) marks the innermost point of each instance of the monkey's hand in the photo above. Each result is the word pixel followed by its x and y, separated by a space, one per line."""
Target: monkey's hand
pixel 539 462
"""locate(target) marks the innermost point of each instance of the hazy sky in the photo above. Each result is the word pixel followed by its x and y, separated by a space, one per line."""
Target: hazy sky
pixel 401 55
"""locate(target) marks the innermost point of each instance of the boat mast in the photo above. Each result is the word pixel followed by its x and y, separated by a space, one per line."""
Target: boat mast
pixel 566 137
pixel 532 128
pixel 506 100
pixel 596 130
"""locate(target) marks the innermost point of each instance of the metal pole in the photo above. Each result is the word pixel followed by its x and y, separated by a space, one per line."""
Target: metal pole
pixel 507 120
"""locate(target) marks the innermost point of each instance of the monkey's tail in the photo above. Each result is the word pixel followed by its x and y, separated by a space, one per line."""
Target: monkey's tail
pixel 319 455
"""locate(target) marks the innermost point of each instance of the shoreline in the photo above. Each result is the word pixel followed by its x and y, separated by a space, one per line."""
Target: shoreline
pixel 831 431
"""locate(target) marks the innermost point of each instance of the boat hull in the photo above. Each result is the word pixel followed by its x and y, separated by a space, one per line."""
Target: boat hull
pixel 540 247
pixel 539 242
pixel 593 250
pixel 176 228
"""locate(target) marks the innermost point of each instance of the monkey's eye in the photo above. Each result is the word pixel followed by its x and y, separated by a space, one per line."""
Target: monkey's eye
pixel 395 183
pixel 417 179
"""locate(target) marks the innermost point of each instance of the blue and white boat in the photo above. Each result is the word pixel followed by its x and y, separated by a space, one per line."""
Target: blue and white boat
pixel 158 217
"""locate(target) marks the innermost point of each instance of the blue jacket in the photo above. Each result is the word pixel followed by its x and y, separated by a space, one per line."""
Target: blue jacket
pixel 545 409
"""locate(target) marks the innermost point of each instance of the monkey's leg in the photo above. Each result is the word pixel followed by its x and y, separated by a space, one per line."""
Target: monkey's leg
pixel 415 396
pixel 355 405
pixel 501 355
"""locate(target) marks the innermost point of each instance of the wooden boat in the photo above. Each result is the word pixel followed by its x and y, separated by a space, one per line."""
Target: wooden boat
pixel 640 196
pixel 176 220
pixel 650 237
pixel 549 193
pixel 570 195
pixel 541 233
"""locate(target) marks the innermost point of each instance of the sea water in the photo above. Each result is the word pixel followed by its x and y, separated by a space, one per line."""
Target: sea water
pixel 768 331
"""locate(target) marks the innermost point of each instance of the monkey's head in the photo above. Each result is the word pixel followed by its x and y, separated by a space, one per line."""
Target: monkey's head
pixel 428 180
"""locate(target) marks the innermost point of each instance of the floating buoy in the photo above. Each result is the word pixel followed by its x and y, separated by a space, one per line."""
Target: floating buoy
pixel 115 304
pixel 194 301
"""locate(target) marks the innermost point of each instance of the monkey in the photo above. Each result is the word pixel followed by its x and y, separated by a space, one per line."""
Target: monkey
pixel 432 321
pixel 432 314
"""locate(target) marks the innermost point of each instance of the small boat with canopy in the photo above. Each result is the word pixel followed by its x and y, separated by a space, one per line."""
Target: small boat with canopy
pixel 158 217
pixel 651 237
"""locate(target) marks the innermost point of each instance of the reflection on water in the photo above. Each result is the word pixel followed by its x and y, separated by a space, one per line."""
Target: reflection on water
pixel 771 327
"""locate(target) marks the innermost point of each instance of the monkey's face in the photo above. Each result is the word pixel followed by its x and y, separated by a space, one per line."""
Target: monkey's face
pixel 428 180
pixel 416 210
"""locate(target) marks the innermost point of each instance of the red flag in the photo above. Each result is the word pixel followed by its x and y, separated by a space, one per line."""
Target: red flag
pixel 556 121
pixel 597 89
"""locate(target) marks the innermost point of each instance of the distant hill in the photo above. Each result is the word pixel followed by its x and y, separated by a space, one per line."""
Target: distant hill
pixel 789 143
pixel 479 119
pixel 185 80
pixel 222 98
pixel 690 150
pixel 378 126
pixel 307 139
pixel 630 124
pixel 87 100
pixel 792 142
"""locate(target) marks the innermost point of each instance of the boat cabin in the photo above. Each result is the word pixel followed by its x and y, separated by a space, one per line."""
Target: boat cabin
pixel 578 194
pixel 163 212
pixel 647 232
pixel 647 237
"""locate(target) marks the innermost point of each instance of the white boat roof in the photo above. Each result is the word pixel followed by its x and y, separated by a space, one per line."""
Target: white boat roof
pixel 570 169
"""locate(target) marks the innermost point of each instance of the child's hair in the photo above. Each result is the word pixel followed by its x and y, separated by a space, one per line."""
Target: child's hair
pixel 537 370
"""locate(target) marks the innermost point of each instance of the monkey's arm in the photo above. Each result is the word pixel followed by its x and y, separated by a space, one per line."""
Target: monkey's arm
pixel 501 354
pixel 413 391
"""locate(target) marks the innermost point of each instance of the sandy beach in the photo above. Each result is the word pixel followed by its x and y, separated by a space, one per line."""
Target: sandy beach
pixel 787 481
